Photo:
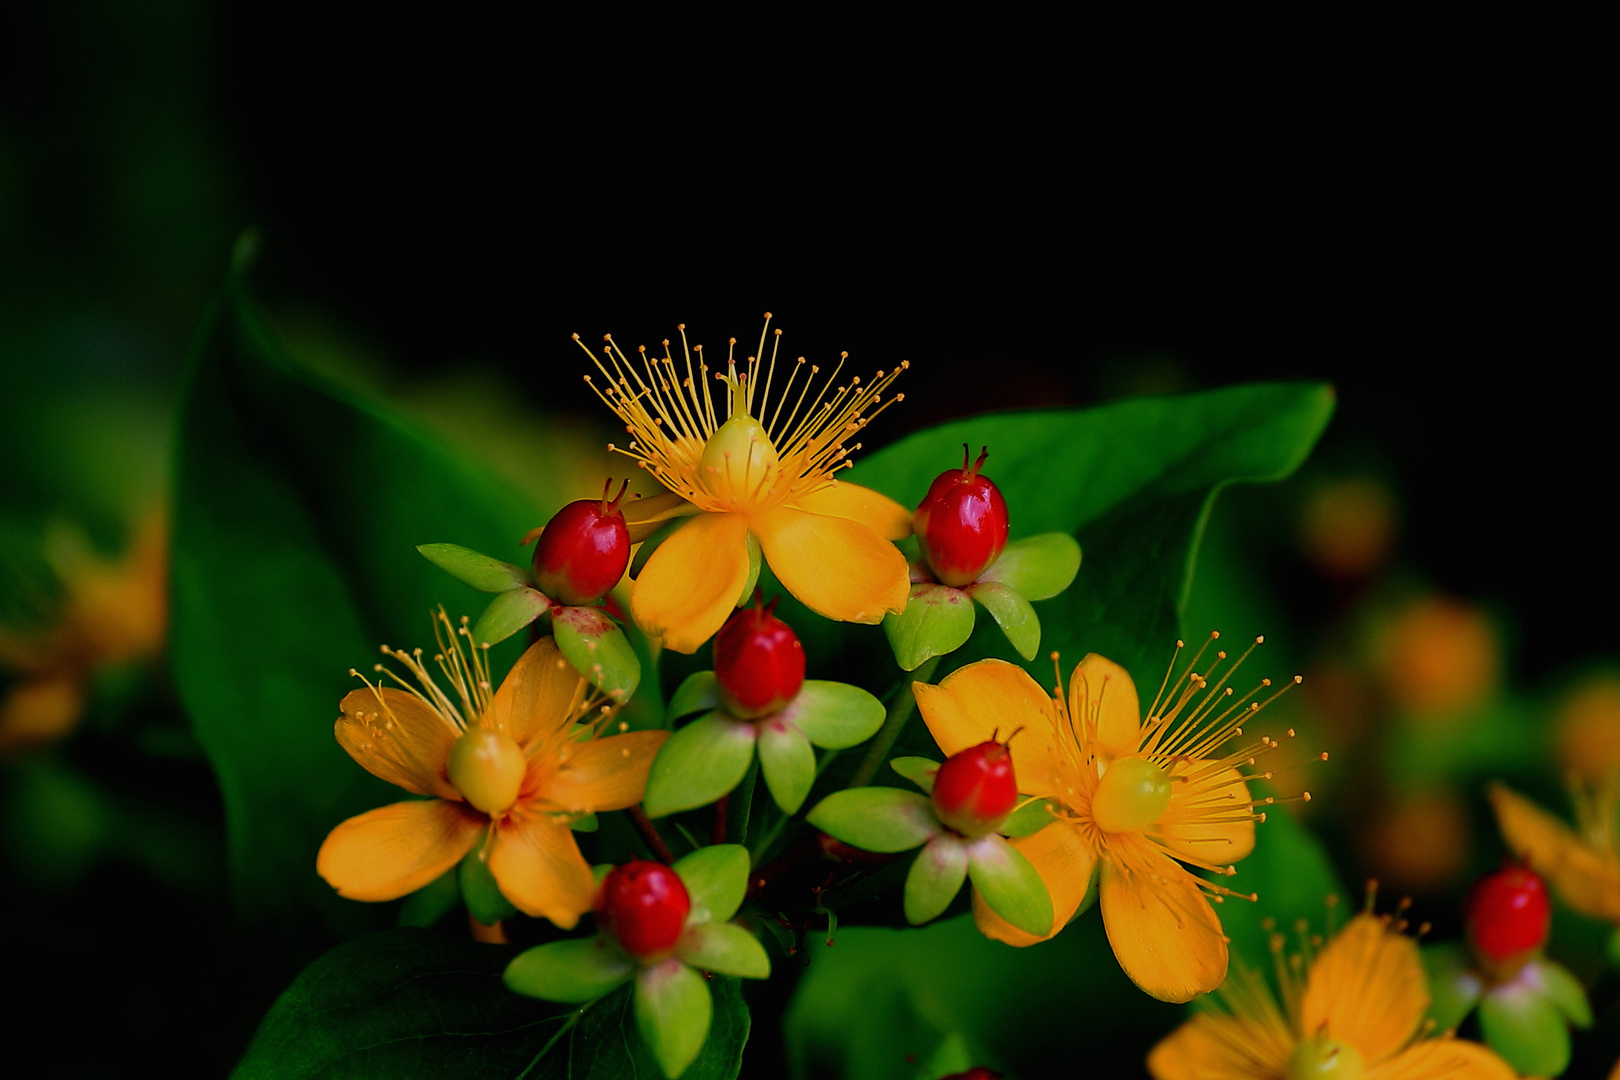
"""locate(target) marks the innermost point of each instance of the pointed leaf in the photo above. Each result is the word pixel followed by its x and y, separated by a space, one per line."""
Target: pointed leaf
pixel 1009 884
pixel 480 571
pixel 1454 987
pixel 699 693
pixel 701 762
pixel 1037 567
pixel 1527 1029
pixel 673 1013
pixel 480 892
pixel 787 761
pixel 935 878
pixel 937 620
pixel 598 649
pixel 1028 819
pixel 877 818
pixel 716 880
pixel 919 770
pixel 835 716
pixel 573 971
pixel 508 613
pixel 1013 613
pixel 1564 990
pixel 724 948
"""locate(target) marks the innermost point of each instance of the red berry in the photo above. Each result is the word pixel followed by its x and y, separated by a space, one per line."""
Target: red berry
pixel 961 524
pixel 583 551
pixel 978 1072
pixel 643 906
pixel 1507 916
pixel 758 662
pixel 975 790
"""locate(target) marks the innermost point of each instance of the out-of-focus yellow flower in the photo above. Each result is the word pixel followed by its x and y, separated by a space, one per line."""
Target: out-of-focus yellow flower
pixel 1588 728
pixel 1357 1014
pixel 1133 799
pixel 753 479
pixel 1418 841
pixel 1583 866
pixel 1347 526
pixel 113 611
pixel 1438 656
pixel 512 768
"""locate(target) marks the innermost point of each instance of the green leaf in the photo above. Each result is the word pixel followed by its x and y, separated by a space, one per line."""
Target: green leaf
pixel 1028 819
pixel 571 972
pixel 935 878
pixel 431 902
pixel 937 620
pixel 508 613
pixel 699 763
pixel 1013 613
pixel 787 761
pixel 724 948
pixel 1563 989
pixel 480 571
pixel 1009 885
pixel 1528 1030
pixel 1037 567
pixel 835 716
pixel 673 1013
pixel 598 649
pixel 1454 987
pixel 296 510
pixel 698 693
pixel 480 892
pixel 919 770
pixel 585 823
pixel 876 818
pixel 716 880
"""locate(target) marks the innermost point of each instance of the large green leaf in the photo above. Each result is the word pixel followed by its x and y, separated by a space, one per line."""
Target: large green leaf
pixel 412 1003
pixel 297 513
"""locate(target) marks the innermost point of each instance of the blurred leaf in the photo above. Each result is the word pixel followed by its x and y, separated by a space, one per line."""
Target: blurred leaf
pixel 572 971
pixel 480 571
pixel 673 1011
pixel 1564 990
pixel 1454 986
pixel 480 892
pixel 1527 1029
pixel 724 948
pixel 508 613
pixel 697 694
pixel 431 902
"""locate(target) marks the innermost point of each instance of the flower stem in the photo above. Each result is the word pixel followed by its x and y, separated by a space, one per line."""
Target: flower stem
pixel 720 819
pixel 893 723
pixel 649 833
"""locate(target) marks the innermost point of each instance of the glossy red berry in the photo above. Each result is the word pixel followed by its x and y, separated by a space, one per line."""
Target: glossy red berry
pixel 643 906
pixel 583 550
pixel 1507 916
pixel 961 524
pixel 758 662
pixel 975 790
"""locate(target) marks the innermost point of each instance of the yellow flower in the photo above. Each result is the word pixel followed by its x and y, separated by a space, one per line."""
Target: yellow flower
pixel 1133 799
pixel 513 768
pixel 1358 1014
pixel 1583 866
pixel 754 478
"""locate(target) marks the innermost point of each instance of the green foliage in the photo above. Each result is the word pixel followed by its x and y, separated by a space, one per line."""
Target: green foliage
pixel 1009 884
pixel 508 613
pixel 480 571
pixel 698 764
pixel 1564 990
pixel 1028 819
pixel 1012 613
pixel 699 692
pixel 598 649
pixel 1526 1028
pixel 877 818
pixel 1454 987
pixel 919 770
pixel 673 1012
pixel 724 948
pixel 480 892
pixel 833 715
pixel 937 620
pixel 716 880
pixel 935 877
pixel 788 764
pixel 1036 567
pixel 570 972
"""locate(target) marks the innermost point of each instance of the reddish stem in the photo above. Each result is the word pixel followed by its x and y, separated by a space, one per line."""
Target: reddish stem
pixel 649 833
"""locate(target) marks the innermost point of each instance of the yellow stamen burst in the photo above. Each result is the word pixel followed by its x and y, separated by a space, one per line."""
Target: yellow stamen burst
pixel 748 454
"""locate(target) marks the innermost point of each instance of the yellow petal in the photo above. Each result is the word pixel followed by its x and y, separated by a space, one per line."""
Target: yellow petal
pixel 1102 693
pixel 646 516
pixel 990 697
pixel 400 739
pixel 1444 1059
pixel 538 696
pixel 1164 933
pixel 1204 822
pixel 1212 1046
pixel 395 850
pixel 1065 861
pixel 538 866
pixel 1367 987
pixel 880 513
pixel 692 582
pixel 1586 879
pixel 838 568
pixel 604 774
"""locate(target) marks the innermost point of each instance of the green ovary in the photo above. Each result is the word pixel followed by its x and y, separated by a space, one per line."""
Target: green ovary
pixel 739 461
pixel 1131 796
pixel 1321 1058
pixel 487 768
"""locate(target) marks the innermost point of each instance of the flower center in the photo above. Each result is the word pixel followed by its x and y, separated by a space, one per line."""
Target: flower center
pixel 1321 1058
pixel 1131 795
pixel 487 768
pixel 739 461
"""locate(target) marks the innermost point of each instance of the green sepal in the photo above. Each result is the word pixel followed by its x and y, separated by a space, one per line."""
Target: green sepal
pixel 585 823
pixel 598 649
pixel 1564 990
pixel 879 819
pixel 919 770
pixel 1012 613
pixel 1454 986
pixel 1028 819
pixel 699 693
pixel 937 620
pixel 480 892
pixel 508 613
pixel 580 969
pixel 1010 885
pixel 788 763
pixel 650 545
pixel 698 764
pixel 935 878
pixel 1037 567
pixel 430 903
pixel 833 715
pixel 716 880
pixel 673 1012
pixel 480 571
pixel 724 948
pixel 755 558
pixel 1527 1029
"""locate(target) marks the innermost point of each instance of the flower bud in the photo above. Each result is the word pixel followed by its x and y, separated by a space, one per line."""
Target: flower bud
pixel 643 906
pixel 961 524
pixel 975 790
pixel 758 662
pixel 1507 917
pixel 583 550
